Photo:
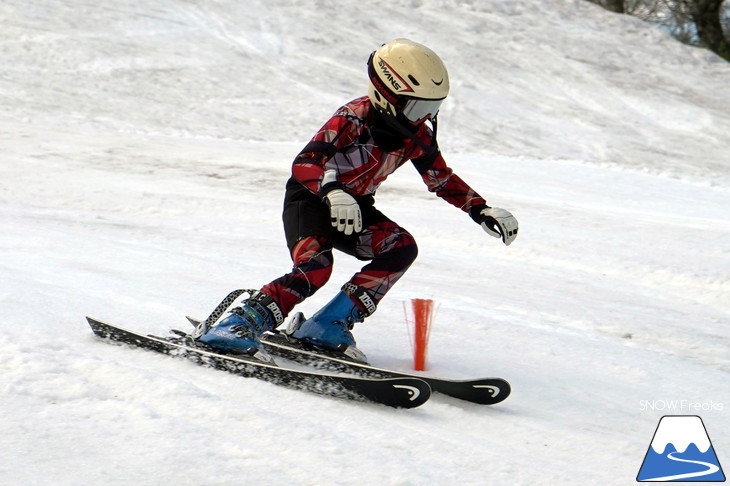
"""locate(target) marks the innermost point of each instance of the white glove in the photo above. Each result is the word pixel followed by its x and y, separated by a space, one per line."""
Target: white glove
pixel 499 223
pixel 344 211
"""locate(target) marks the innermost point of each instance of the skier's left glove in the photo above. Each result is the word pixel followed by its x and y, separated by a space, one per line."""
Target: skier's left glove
pixel 497 222
pixel 345 213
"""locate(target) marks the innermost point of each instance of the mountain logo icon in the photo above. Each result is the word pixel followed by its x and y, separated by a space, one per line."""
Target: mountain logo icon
pixel 681 451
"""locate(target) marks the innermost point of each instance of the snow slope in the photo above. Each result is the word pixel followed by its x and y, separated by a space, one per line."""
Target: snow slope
pixel 143 153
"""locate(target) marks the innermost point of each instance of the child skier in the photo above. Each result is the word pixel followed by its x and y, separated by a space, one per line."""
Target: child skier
pixel 329 203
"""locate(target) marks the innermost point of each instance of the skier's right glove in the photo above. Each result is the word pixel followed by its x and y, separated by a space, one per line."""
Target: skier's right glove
pixel 497 222
pixel 345 213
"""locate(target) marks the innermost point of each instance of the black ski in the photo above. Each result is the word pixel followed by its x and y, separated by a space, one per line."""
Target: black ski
pixel 484 391
pixel 408 392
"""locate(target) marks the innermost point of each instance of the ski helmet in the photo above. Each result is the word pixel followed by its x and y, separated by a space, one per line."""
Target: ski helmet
pixel 408 79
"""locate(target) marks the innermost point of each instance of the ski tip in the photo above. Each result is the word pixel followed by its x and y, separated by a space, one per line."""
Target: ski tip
pixel 490 391
pixel 403 392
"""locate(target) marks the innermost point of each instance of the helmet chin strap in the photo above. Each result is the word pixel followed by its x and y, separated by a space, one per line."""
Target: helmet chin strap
pixel 393 123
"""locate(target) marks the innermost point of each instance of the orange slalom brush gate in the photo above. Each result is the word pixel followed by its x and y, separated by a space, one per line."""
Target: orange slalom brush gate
pixel 422 311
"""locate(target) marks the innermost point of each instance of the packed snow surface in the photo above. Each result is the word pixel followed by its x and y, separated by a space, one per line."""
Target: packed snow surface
pixel 144 147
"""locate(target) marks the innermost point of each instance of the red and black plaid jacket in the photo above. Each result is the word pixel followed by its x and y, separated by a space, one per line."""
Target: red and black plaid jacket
pixel 345 144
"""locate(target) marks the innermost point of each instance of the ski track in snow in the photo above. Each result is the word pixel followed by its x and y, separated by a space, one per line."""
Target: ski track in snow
pixel 144 153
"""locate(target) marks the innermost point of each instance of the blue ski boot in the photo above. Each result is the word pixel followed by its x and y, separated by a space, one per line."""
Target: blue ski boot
pixel 330 327
pixel 240 332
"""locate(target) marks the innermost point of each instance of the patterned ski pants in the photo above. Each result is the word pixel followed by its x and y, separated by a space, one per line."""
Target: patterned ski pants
pixel 389 249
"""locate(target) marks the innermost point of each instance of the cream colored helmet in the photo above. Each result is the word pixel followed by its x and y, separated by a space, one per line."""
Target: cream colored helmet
pixel 408 79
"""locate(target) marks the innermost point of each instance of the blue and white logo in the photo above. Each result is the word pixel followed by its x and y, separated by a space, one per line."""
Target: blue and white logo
pixel 681 451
